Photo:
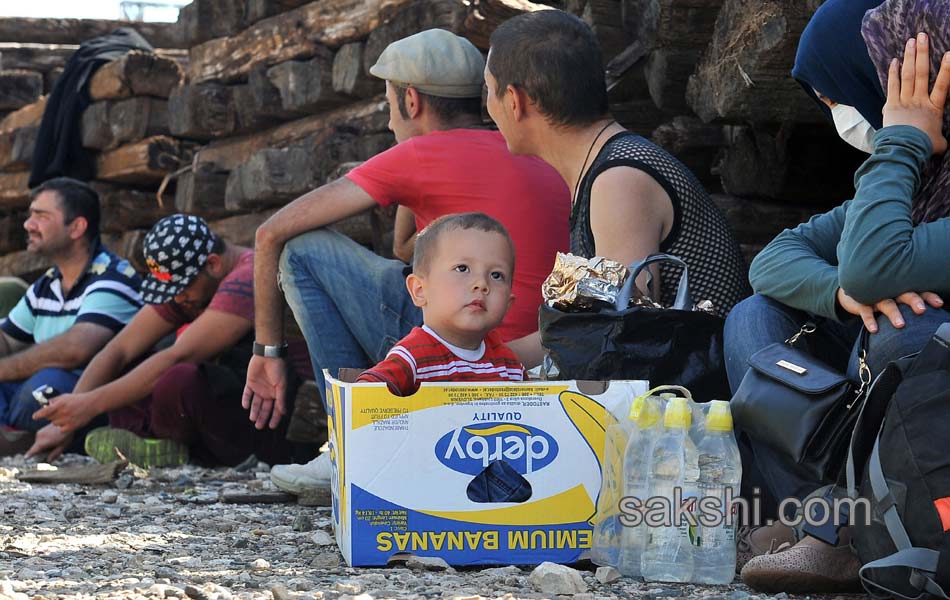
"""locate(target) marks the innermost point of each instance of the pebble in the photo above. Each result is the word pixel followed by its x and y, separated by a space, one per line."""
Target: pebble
pixel 551 578
pixel 322 538
pixel 259 564
pixel 150 540
pixel 607 575
pixel 428 563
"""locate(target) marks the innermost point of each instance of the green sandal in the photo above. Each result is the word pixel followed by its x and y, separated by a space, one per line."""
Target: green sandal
pixel 102 444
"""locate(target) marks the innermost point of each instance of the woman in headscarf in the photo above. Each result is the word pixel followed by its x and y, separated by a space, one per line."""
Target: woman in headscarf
pixel 872 262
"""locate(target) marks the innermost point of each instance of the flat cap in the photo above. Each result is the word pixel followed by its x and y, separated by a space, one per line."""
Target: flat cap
pixel 436 62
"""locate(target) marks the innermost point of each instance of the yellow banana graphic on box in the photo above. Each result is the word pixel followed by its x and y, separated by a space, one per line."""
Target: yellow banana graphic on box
pixel 591 419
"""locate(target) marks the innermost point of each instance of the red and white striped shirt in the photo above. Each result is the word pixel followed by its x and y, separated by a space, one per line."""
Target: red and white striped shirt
pixel 424 356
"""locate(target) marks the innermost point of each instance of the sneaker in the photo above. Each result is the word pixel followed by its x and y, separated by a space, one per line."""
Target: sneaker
pixel 15 441
pixel 102 444
pixel 303 479
pixel 756 541
pixel 808 567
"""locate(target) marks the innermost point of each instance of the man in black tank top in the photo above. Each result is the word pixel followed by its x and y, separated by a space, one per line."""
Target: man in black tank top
pixel 547 94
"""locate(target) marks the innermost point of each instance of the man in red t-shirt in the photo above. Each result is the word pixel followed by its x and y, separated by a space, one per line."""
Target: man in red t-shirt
pixel 352 305
pixel 183 401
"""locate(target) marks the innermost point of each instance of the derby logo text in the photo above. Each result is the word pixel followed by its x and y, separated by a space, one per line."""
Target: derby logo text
pixel 472 448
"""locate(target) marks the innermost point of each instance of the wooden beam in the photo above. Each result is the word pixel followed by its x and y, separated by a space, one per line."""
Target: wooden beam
pixel 201 192
pixel 124 209
pixel 365 117
pixel 16 148
pixel 136 74
pixel 202 112
pixel 76 31
pixel 203 20
pixel 14 190
pixel 240 229
pixel 144 162
pixel 12 235
pixel 108 124
pixel 29 115
pixel 306 86
pixel 35 57
pixel 261 9
pixel 745 75
pixel 349 76
pixel 484 16
pixel 19 88
pixel 293 34
pixel 24 264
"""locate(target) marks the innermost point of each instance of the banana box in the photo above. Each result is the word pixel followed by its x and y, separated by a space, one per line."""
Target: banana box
pixel 487 473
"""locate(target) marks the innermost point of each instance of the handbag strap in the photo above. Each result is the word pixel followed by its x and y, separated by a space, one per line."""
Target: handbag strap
pixel 683 300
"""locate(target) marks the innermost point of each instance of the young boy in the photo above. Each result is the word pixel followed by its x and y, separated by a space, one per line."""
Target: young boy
pixel 462 271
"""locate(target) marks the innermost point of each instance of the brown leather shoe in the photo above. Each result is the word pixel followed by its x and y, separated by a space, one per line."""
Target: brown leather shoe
pixel 756 541
pixel 15 441
pixel 809 567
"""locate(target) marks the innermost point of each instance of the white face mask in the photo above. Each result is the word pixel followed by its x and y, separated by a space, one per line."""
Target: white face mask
pixel 853 128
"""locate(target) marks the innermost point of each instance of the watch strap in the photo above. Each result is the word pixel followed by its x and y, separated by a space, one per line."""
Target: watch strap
pixel 269 351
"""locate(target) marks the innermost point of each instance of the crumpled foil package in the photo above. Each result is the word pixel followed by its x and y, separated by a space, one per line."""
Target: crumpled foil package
pixel 577 284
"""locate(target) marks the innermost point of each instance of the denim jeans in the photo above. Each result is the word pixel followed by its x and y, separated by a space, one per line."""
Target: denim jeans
pixel 351 304
pixel 759 321
pixel 17 397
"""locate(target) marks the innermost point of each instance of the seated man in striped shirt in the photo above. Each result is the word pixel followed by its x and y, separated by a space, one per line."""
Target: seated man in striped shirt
pixel 68 314
pixel 461 280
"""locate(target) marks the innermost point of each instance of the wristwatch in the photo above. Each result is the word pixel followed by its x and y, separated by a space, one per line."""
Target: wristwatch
pixel 269 351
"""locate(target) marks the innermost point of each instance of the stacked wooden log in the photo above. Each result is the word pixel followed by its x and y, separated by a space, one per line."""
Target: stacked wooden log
pixel 273 98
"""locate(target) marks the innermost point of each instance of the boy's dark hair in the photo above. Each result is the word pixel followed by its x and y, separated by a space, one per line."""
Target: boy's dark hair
pixel 555 58
pixel 428 238
pixel 446 109
pixel 76 199
pixel 219 244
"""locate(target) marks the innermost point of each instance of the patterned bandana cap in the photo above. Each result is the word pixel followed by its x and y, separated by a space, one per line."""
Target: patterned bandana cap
pixel 175 251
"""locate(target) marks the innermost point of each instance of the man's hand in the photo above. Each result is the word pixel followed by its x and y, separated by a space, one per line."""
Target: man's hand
pixel 50 438
pixel 69 412
pixel 908 100
pixel 917 303
pixel 264 391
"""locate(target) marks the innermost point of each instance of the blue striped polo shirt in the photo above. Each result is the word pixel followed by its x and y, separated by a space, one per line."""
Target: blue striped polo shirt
pixel 107 294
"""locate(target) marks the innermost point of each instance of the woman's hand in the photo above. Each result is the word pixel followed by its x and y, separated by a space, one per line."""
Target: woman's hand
pixel 908 100
pixel 917 303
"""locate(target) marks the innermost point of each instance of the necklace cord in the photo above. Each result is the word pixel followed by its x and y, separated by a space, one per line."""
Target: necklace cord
pixel 580 175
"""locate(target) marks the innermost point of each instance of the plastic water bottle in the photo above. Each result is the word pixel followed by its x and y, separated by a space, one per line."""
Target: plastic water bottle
pixel 605 540
pixel 645 418
pixel 720 470
pixel 668 555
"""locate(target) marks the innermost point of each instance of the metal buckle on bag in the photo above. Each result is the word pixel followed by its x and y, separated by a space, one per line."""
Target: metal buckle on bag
pixel 805 330
pixel 864 372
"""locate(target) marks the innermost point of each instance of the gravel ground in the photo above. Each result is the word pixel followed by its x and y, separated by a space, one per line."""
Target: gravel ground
pixel 164 534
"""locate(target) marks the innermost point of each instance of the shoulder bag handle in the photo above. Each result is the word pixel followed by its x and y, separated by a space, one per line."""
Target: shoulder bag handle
pixel 683 300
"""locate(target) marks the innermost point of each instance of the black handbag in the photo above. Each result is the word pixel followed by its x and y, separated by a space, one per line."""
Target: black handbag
pixel 661 345
pixel 793 403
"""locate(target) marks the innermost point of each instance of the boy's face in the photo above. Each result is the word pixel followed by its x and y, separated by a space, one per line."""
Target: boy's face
pixel 466 290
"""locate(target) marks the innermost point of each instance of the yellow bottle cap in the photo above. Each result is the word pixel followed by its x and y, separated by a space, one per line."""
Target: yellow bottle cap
pixel 678 414
pixel 650 413
pixel 719 417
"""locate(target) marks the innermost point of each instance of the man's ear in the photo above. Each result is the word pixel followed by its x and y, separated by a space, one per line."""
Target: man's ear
pixel 214 265
pixel 78 227
pixel 413 102
pixel 518 101
pixel 416 286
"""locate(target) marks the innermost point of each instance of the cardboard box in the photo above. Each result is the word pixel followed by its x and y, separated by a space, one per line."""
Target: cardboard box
pixel 402 467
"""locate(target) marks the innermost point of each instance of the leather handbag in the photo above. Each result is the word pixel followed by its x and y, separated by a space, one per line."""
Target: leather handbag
pixel 675 345
pixel 793 403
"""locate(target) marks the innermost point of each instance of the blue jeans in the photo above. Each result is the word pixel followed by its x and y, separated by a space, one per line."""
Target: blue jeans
pixel 351 304
pixel 759 321
pixel 17 404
